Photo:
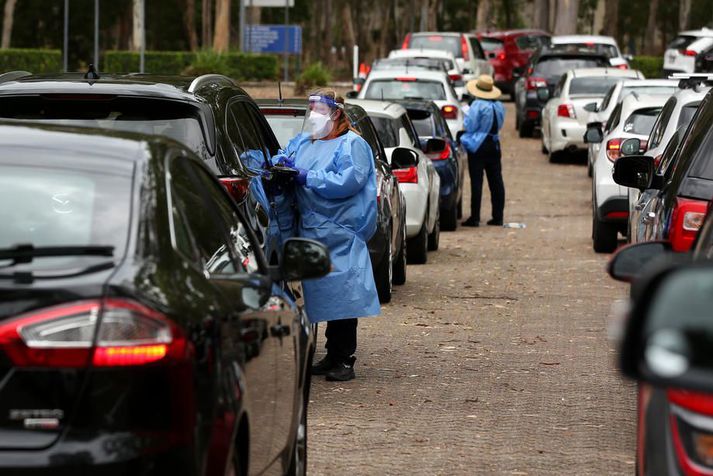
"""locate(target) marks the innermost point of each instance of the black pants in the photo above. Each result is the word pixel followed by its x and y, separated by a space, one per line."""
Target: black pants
pixel 341 339
pixel 486 159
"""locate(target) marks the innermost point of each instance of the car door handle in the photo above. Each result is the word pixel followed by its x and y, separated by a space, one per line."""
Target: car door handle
pixel 638 207
pixel 278 330
pixel 649 217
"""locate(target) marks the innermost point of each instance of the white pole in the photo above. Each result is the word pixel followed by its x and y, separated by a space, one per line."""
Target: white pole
pixel 65 53
pixel 355 62
pixel 143 37
pixel 96 35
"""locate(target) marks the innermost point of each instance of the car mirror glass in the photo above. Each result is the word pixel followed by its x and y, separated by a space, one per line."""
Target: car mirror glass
pixel 627 263
pixel 403 158
pixel 543 94
pixel 630 146
pixel 593 135
pixel 304 259
pixel 634 171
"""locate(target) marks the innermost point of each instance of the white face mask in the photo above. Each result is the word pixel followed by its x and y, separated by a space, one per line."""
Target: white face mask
pixel 320 125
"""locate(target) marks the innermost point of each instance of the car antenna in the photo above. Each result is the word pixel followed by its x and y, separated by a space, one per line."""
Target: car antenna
pixel 279 92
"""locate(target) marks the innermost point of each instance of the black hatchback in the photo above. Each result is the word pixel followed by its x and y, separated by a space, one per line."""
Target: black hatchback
pixel 141 329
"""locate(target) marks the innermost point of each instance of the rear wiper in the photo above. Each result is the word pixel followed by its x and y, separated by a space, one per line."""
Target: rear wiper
pixel 417 98
pixel 25 253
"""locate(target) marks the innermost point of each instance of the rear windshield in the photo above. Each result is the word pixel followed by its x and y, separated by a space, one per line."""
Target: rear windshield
pixel 178 121
pixel 687 113
pixel 553 68
pixel 681 42
pixel 438 42
pixel 285 127
pixel 433 64
pixel 592 86
pixel 655 90
pixel 61 206
pixel 642 121
pixel 610 51
pixel 395 89
pixel 388 130
pixel 491 44
pixel 531 42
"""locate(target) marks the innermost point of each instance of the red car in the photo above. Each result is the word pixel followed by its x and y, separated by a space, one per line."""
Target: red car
pixel 511 49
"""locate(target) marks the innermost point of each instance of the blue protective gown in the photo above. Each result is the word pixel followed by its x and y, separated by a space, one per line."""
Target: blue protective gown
pixel 337 207
pixel 478 122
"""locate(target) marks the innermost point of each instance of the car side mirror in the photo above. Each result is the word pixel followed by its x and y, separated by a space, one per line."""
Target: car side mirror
pixel 591 107
pixel 466 97
pixel 543 94
pixel 630 146
pixel 669 332
pixel 435 145
pixel 403 158
pixel 304 259
pixel 594 133
pixel 634 171
pixel 352 94
pixel 627 262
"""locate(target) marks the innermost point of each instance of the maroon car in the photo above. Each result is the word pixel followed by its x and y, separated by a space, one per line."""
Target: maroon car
pixel 510 49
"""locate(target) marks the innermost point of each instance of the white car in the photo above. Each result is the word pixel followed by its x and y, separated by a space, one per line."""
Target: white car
pixel 427 85
pixel 603 44
pixel 420 185
pixel 454 70
pixel 565 116
pixel 633 117
pixel 681 52
pixel 602 112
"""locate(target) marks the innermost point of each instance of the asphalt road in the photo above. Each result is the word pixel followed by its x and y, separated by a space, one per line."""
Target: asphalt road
pixel 494 357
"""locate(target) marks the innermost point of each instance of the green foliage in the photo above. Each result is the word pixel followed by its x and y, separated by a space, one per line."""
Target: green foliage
pixel 651 66
pixel 34 61
pixel 236 65
pixel 314 75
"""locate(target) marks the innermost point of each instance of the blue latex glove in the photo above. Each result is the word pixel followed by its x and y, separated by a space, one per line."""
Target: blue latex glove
pixel 284 160
pixel 301 178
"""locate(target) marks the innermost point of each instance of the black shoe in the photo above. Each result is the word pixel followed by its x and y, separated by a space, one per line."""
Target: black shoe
pixel 470 222
pixel 495 222
pixel 323 366
pixel 342 371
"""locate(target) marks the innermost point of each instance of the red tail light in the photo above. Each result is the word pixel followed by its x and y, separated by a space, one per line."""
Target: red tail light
pixel 613 149
pixel 455 77
pixel 409 175
pixel 566 110
pixel 692 439
pixel 464 47
pixel 407 42
pixel 686 220
pixel 500 56
pixel 449 112
pixel 236 187
pixel 443 155
pixel 63 336
pixel 688 53
pixel 617 215
pixel 622 66
pixel 534 83
pixel 408 79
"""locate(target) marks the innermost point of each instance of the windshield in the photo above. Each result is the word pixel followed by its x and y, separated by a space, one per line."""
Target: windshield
pixel 642 121
pixel 401 89
pixel 61 206
pixel 388 130
pixel 438 42
pixel 592 86
pixel 285 127
pixel 681 42
pixel 553 68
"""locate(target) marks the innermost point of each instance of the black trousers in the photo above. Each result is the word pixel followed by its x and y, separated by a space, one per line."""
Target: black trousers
pixel 486 159
pixel 341 339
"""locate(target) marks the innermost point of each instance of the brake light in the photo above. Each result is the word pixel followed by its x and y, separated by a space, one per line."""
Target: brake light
pixel 406 78
pixel 613 149
pixel 409 175
pixel 501 55
pixel 435 38
pixel 63 336
pixel 449 112
pixel 617 215
pixel 236 187
pixel 534 83
pixel 442 155
pixel 407 41
pixel 688 53
pixel 455 77
pixel 693 441
pixel 622 66
pixel 686 220
pixel 464 48
pixel 566 110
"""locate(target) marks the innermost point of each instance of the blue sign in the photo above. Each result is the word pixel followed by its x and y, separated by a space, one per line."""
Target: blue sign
pixel 273 39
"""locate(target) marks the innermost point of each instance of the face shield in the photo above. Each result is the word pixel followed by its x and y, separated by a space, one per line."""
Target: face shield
pixel 319 120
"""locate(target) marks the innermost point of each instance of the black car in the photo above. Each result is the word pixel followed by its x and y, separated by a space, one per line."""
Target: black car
pixel 450 162
pixel 536 84
pixel 387 248
pixel 142 329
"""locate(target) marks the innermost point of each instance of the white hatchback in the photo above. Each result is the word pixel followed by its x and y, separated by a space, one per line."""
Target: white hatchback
pixel 603 44
pixel 455 73
pixel 681 52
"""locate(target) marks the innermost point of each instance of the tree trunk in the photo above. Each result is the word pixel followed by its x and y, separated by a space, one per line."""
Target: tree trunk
pixel 206 23
pixel 611 18
pixel 385 29
pixel 7 22
pixel 433 15
pixel 136 25
pixel 328 23
pixel 566 17
pixel 684 11
pixel 189 19
pixel 541 18
pixel 221 38
pixel 651 27
pixel 348 23
pixel 482 21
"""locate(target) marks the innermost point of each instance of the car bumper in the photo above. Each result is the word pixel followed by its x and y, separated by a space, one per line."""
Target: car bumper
pixel 614 210
pixel 567 135
pixel 532 112
pixel 416 199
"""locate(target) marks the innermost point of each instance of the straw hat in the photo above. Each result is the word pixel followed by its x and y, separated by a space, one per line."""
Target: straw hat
pixel 483 87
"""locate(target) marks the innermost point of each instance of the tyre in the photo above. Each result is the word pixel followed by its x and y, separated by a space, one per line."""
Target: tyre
pixel 526 130
pixel 399 266
pixel 460 208
pixel 449 219
pixel 434 238
pixel 418 246
pixel 554 157
pixel 517 121
pixel 604 236
pixel 384 275
pixel 298 459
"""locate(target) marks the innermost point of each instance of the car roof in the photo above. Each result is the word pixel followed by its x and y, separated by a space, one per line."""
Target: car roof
pixel 649 82
pixel 420 74
pixel 640 101
pixel 700 33
pixel 420 52
pixel 559 52
pixel 292 103
pixel 436 33
pixel 380 108
pixel 506 33
pixel 616 72
pixel 565 39
pixel 692 94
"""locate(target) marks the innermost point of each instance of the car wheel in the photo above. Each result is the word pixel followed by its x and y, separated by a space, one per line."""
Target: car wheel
pixel 554 157
pixel 449 219
pixel 418 246
pixel 517 121
pixel 526 130
pixel 298 461
pixel 384 275
pixel 434 238
pixel 460 208
pixel 399 272
pixel 604 236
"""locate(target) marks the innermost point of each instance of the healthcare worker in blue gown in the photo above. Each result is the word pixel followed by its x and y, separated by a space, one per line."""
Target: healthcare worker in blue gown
pixel 335 204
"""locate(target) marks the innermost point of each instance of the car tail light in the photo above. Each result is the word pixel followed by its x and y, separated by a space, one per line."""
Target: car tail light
pixel 534 83
pixel 689 53
pixel 409 175
pixel 236 187
pixel 464 48
pixel 62 336
pixel 613 149
pixel 449 112
pixel 686 220
pixel 532 114
pixel 407 41
pixel 455 77
pixel 443 155
pixel 643 146
pixel 566 110
pixel 617 215
pixel 500 56
pixel 690 412
pixel 408 79
pixel 622 66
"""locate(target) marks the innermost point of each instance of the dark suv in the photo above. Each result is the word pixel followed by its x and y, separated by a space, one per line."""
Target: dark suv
pixel 536 84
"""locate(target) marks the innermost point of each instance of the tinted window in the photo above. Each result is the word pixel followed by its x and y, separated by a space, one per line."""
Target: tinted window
pixel 659 128
pixel 699 146
pixel 62 206
pixel 670 152
pixel 250 149
pixel 681 42
pixel 530 43
pixel 393 89
pixel 425 126
pixel 437 42
pixel 285 125
pixel 610 51
pixel 551 68
pixel 687 113
pixel 641 121
pixel 388 130
pixel 475 46
pixel 593 86
pixel 491 44
pixel 607 98
pixel 433 64
pixel 614 118
pixel 410 130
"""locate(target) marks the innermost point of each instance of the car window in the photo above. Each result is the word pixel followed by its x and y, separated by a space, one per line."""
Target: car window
pixel 659 128
pixel 410 130
pixel 591 86
pixel 560 86
pixel 552 68
pixel 670 152
pixel 425 126
pixel 614 118
pixel 368 133
pixel 641 121
pixel 285 124
pixel 475 45
pixel 491 44
pixel 437 42
pixel 405 89
pixel 388 130
pixel 250 149
pixel 529 43
pixel 607 98
pixel 610 51
pixel 681 42
pixel 687 113
pixel 698 143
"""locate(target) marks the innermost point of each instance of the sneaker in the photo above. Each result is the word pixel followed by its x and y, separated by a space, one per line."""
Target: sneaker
pixel 323 366
pixel 342 371
pixel 470 222
pixel 495 222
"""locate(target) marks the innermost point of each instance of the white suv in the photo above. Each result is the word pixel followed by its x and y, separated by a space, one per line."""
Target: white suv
pixel 633 117
pixel 603 44
pixel 681 53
